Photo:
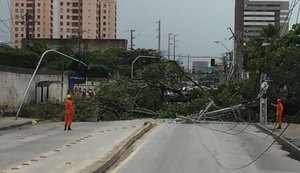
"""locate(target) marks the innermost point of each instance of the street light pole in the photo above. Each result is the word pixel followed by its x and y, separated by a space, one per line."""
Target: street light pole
pixel 222 45
pixel 131 76
pixel 36 69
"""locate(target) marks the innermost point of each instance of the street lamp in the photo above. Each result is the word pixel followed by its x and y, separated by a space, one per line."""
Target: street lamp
pixel 36 69
pixel 136 60
pixel 222 45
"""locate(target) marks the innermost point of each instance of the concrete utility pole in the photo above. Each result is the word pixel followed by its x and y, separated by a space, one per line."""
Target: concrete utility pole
pixel 131 39
pixel 79 35
pixel 27 25
pixel 174 46
pixel 159 35
pixel 263 106
pixel 169 45
pixel 238 37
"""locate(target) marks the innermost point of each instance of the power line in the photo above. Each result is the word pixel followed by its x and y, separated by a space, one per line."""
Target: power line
pixel 248 164
pixel 10 12
pixel 2 29
pixel 288 16
pixel 5 24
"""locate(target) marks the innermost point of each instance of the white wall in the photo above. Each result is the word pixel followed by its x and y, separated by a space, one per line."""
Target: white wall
pixel 13 86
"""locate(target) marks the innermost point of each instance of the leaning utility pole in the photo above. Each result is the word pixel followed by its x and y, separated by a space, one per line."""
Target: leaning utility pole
pixel 239 38
pixel 169 45
pixel 174 46
pixel 131 39
pixel 159 36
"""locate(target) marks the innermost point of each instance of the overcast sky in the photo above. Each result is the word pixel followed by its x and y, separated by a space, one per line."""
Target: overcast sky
pixel 198 23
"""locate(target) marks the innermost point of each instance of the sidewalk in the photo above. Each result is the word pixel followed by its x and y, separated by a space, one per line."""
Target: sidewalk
pixel 290 139
pixel 292 133
pixel 11 122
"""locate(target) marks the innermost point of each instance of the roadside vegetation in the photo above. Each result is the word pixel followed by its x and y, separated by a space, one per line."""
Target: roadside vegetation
pixel 155 89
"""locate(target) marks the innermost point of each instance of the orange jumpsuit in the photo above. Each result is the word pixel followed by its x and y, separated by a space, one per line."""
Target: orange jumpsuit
pixel 68 112
pixel 279 110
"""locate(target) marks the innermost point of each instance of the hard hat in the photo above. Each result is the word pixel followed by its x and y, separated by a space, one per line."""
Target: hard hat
pixel 279 100
pixel 68 96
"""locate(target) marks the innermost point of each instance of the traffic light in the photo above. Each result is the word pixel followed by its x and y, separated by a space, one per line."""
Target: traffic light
pixel 212 62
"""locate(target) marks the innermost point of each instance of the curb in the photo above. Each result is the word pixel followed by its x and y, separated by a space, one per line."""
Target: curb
pixel 15 125
pixel 102 165
pixel 287 145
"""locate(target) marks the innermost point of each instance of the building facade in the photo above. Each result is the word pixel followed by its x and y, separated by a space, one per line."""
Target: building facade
pixel 92 19
pixel 200 67
pixel 258 14
pixel 30 19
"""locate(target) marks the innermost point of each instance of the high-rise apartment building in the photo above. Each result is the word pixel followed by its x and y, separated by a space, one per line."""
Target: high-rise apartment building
pixel 258 14
pixel 30 19
pixel 87 19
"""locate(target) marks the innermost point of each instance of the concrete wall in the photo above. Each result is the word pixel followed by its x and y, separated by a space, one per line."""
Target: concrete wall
pixel 86 44
pixel 13 83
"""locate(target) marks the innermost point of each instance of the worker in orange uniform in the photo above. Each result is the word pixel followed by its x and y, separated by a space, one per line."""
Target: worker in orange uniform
pixel 68 112
pixel 279 111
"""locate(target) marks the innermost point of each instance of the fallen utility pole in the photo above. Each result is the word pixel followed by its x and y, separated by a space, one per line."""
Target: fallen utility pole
pixel 203 114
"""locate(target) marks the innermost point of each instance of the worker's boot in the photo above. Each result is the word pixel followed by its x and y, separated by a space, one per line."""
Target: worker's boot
pixel 279 127
pixel 69 128
pixel 65 128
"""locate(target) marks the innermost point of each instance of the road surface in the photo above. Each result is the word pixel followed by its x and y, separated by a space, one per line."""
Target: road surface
pixel 217 148
pixel 47 148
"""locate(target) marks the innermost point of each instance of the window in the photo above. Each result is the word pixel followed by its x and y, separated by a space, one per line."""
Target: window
pixel 38 16
pixel 61 3
pixel 104 23
pixel 68 10
pixel 61 23
pixel 17 4
pixel 61 17
pixel 104 35
pixel 104 5
pixel 68 3
pixel 22 4
pixel 39 35
pixel 104 11
pixel 104 17
pixel 68 23
pixel 16 35
pixel 17 10
pixel 39 4
pixel 61 30
pixel 16 29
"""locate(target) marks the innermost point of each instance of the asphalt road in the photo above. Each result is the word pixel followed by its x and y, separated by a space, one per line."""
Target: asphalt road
pixel 216 148
pixel 47 148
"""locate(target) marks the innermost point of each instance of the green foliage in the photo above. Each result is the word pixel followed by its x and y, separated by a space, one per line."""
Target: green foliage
pixel 280 60
pixel 45 111
pixel 17 57
pixel 53 111
pixel 86 109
